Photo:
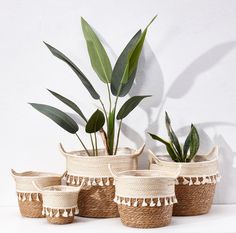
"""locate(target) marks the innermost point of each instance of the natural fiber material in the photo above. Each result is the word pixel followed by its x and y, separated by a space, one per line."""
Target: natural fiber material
pixel 29 198
pixel 145 198
pixel 96 197
pixel 195 186
pixel 60 203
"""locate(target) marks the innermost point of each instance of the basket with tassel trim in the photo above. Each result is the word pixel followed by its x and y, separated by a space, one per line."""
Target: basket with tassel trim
pixel 29 198
pixel 195 186
pixel 60 202
pixel 145 198
pixel 97 194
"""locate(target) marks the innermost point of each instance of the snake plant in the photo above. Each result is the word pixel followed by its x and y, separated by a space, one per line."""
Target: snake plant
pixel 118 80
pixel 177 152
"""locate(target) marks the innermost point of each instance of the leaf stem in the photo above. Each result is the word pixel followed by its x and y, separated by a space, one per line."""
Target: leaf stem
pixel 91 138
pixel 118 137
pixel 83 144
pixel 109 95
pixel 104 110
pixel 96 145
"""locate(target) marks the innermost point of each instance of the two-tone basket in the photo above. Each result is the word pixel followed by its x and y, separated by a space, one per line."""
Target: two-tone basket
pixel 29 198
pixel 60 202
pixel 145 198
pixel 97 194
pixel 195 186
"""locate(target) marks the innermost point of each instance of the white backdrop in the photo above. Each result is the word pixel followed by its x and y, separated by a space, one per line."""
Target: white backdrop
pixel 188 65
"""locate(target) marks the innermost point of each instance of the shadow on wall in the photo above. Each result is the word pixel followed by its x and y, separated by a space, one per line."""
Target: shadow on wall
pixel 146 82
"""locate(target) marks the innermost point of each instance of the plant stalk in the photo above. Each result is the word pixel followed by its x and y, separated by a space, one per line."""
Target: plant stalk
pixel 83 144
pixel 91 138
pixel 96 145
pixel 118 137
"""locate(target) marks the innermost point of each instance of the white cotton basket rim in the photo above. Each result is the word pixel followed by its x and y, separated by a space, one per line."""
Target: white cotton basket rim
pixel 33 174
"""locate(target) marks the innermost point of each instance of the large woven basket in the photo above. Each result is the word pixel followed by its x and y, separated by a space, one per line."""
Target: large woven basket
pixel 96 197
pixel 195 186
pixel 145 198
pixel 60 202
pixel 29 198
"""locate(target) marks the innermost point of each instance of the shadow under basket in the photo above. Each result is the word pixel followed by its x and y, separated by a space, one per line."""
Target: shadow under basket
pixel 195 185
pixel 29 198
pixel 96 196
pixel 145 198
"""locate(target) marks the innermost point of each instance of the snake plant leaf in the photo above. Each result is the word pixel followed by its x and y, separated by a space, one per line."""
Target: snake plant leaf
pixel 129 105
pixel 111 131
pixel 95 122
pixel 120 70
pixel 194 143
pixel 78 72
pixel 155 137
pixel 59 117
pixel 98 56
pixel 173 137
pixel 69 103
pixel 187 144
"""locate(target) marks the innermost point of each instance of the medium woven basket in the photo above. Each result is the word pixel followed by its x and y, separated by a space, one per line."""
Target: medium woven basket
pixel 29 198
pixel 59 202
pixel 145 198
pixel 195 186
pixel 97 194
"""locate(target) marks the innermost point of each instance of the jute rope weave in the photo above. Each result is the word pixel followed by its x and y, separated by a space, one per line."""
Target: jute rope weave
pixel 195 186
pixel 96 197
pixel 59 203
pixel 145 198
pixel 29 198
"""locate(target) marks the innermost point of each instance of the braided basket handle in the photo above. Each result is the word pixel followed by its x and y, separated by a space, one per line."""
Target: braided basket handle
pixel 152 158
pixel 139 151
pixel 62 150
pixel 112 171
pixel 37 186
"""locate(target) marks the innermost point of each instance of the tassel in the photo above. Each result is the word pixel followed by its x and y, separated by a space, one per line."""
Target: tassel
pixel 65 214
pixel 166 201
pixel 71 213
pixel 114 181
pixel 209 180
pixel 77 181
pixel 47 213
pixel 175 200
pixel 129 202
pixel 73 180
pixel 43 211
pixel 170 201
pixel 76 211
pixel 89 182
pixel 214 180
pixel 30 196
pixel 152 203
pixel 204 180
pixel 19 197
pixel 108 182
pixel 118 200
pixel 135 204
pixel 158 202
pixel 176 181
pixel 37 196
pixel 94 182
pixel 197 182
pixel 190 181
pixel 68 179
pixel 185 181
pixel 101 182
pixel 51 214
pixel 123 202
pixel 115 199
pixel 24 197
pixel 57 214
pixel 144 202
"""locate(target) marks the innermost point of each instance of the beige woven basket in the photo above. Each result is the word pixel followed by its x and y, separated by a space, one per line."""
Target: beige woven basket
pixel 59 202
pixel 195 186
pixel 96 197
pixel 145 198
pixel 29 199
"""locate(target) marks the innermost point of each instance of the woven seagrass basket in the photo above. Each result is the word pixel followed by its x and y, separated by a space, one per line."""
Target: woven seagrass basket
pixel 29 198
pixel 59 202
pixel 145 198
pixel 195 186
pixel 97 194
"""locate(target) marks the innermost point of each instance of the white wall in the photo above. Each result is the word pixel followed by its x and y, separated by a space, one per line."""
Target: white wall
pixel 188 65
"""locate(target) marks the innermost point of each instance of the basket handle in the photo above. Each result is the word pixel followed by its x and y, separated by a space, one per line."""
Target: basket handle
pixel 213 153
pixel 36 185
pixel 64 174
pixel 14 173
pixel 62 150
pixel 152 157
pixel 139 151
pixel 111 171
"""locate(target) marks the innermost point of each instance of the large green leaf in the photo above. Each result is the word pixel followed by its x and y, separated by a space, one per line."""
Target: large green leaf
pixel 59 117
pixel 69 103
pixel 98 56
pixel 124 72
pixel 95 122
pixel 129 105
pixel 173 137
pixel 194 143
pixel 78 72
pixel 120 71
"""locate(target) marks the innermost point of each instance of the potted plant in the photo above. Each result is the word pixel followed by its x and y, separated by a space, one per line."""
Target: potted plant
pixel 195 186
pixel 90 165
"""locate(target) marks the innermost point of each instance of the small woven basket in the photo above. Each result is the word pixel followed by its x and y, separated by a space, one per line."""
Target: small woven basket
pixel 29 198
pixel 96 197
pixel 195 186
pixel 145 198
pixel 59 202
